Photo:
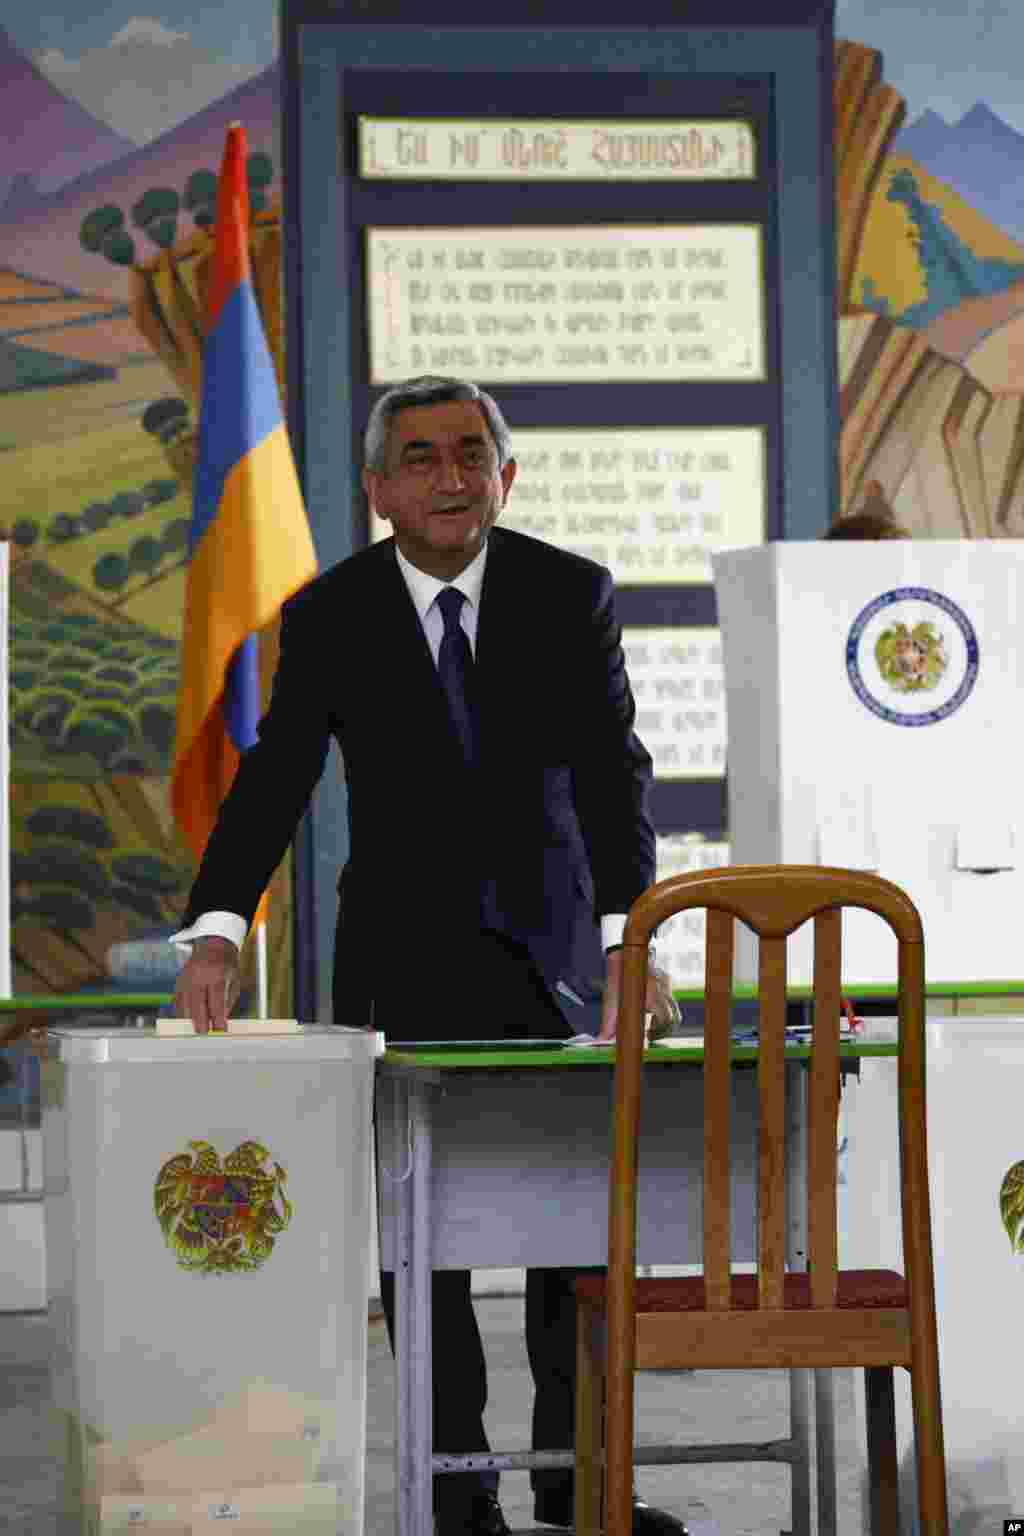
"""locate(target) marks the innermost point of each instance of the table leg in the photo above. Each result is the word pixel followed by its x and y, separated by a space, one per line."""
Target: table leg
pixel 825 1439
pixel 399 1175
pixel 411 1177
pixel 796 1259
pixel 418 1311
pixel 800 1429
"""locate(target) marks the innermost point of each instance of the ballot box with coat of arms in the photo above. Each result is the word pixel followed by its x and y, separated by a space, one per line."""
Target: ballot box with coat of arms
pixel 207 1203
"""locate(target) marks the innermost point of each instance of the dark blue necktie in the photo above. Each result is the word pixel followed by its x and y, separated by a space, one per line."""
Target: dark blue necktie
pixel 455 668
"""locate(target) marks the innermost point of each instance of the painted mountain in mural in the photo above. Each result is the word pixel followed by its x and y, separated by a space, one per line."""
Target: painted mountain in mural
pixel 929 260
pixel 43 241
pixel 48 139
pixel 981 157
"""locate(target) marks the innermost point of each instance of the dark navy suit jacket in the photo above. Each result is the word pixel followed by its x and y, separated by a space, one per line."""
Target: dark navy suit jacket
pixel 555 819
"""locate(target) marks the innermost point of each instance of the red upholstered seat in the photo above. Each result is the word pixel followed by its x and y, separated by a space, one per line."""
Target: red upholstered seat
pixel 855 1288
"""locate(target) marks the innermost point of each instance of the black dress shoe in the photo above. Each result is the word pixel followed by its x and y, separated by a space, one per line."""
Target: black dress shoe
pixel 481 1516
pixel 647 1521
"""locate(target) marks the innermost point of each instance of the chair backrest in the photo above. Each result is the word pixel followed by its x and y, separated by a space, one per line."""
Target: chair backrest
pixel 773 900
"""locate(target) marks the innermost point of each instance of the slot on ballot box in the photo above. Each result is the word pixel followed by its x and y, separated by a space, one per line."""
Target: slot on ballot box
pixel 178 1028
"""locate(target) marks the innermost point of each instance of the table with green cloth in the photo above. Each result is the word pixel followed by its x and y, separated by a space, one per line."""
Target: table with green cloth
pixel 498 1156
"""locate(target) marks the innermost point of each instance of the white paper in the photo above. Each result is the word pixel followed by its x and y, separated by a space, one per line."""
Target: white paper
pixel 985 841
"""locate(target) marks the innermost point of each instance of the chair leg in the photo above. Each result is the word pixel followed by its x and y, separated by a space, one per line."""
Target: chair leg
pixel 589 1425
pixel 933 1513
pixel 883 1462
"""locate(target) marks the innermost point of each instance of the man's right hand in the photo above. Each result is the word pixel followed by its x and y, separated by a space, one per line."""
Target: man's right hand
pixel 209 984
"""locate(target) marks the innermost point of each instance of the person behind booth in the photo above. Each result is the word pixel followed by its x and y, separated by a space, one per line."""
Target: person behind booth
pixel 873 519
pixel 474 681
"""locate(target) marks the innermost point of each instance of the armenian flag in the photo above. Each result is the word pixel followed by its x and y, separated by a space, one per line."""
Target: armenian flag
pixel 250 546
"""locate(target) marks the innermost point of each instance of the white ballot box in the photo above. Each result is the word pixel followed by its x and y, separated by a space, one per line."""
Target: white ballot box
pixel 207 1206
pixel 873 701
pixel 976 1176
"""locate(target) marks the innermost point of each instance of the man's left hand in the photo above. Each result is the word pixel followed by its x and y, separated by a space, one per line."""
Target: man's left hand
pixel 658 1002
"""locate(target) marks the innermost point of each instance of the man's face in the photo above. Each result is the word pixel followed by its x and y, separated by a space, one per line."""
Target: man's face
pixel 441 489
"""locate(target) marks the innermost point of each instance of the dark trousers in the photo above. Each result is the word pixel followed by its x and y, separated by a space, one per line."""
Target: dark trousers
pixel 460 1377
pixel 495 993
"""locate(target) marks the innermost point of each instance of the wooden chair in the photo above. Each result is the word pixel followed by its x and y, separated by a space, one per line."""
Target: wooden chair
pixel 871 1318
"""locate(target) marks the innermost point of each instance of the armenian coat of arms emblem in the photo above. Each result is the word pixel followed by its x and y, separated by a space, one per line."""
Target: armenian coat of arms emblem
pixel 912 656
pixel 221 1218
pixel 911 660
pixel 1011 1206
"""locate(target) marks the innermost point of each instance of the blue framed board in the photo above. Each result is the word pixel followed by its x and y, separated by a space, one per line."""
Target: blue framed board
pixel 769 65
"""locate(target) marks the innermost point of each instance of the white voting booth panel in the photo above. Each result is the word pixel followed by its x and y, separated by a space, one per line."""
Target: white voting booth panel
pixel 873 696
pixel 207 1210
pixel 21 1234
pixel 975 1067
pixel 5 776
pixel 22 1246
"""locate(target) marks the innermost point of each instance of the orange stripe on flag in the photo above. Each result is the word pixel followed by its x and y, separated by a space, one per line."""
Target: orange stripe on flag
pixel 243 569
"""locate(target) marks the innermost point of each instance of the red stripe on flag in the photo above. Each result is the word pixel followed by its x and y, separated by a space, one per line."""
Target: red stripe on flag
pixel 231 252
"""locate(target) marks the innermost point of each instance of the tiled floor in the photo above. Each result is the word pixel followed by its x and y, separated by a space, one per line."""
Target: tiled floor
pixel 709 1406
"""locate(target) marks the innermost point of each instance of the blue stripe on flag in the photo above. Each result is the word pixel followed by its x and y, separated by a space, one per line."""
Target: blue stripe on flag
pixel 242 695
pixel 239 403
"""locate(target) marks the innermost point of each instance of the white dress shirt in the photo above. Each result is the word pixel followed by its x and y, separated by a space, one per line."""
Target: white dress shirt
pixel 423 589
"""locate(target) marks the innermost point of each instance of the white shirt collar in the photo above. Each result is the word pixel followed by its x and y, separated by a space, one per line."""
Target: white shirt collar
pixel 423 588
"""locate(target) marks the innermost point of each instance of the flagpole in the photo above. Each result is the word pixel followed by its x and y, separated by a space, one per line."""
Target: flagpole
pixel 242 442
pixel 262 988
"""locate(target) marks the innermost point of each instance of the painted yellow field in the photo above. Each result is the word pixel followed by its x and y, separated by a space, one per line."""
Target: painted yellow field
pixel 159 605
pixel 52 415
pixel 76 559
pixel 40 483
pixel 887 255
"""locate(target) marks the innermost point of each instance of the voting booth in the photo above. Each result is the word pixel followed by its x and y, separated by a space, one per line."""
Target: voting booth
pixel 873 695
pixel 873 698
pixel 207 1205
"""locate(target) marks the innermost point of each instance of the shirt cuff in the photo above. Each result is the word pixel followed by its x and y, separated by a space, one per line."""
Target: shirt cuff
pixel 219 925
pixel 613 926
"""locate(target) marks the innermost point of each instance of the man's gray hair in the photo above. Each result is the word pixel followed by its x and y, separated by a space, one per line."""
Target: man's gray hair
pixel 429 390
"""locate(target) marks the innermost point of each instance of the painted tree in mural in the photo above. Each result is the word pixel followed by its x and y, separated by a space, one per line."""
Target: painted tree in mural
pixel 104 230
pixel 201 197
pixel 156 214
pixel 951 270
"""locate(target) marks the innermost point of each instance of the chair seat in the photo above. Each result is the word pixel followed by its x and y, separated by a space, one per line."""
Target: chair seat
pixel 686 1293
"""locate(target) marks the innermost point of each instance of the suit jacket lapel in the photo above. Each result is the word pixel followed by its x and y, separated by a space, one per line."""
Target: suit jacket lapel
pixel 499 600
pixel 498 672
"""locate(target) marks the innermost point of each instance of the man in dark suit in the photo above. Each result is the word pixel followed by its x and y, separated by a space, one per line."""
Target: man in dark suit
pixel 474 681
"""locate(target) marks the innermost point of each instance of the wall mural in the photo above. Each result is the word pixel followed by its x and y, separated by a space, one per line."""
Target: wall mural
pixel 115 125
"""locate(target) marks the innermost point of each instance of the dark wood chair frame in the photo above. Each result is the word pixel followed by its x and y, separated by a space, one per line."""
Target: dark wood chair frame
pixel 873 1319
